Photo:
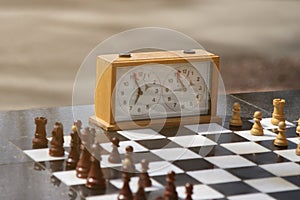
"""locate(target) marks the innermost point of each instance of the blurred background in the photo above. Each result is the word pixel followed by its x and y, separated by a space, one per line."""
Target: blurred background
pixel 42 43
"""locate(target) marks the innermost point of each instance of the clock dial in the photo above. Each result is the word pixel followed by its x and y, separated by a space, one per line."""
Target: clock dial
pixel 184 89
pixel 138 90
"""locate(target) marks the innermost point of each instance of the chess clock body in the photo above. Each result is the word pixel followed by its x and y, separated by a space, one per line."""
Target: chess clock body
pixel 151 88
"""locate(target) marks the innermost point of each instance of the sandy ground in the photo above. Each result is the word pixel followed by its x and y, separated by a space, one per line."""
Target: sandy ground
pixel 42 43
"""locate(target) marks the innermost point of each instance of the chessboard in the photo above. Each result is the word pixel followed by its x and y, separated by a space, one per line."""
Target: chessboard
pixel 222 162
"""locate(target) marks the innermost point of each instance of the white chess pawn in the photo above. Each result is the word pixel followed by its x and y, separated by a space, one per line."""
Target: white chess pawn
pixel 257 128
pixel 236 118
pixel 278 113
pixel 281 140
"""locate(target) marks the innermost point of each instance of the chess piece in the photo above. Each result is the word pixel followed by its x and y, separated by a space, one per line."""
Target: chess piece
pixel 298 128
pixel 56 144
pixel 188 191
pixel 140 194
pixel 257 128
pixel 144 179
pixel 128 164
pixel 125 192
pixel 83 165
pixel 77 124
pixel 170 192
pixel 74 153
pixel 40 136
pixel 298 150
pixel 95 179
pixel 278 112
pixel 114 156
pixel 281 140
pixel 236 118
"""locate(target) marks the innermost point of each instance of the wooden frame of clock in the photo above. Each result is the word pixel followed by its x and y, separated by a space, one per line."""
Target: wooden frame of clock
pixel 127 87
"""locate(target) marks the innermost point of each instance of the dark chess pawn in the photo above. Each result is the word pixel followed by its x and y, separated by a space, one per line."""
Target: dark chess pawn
pixel 140 194
pixel 114 156
pixel 170 192
pixel 57 142
pixel 128 164
pixel 74 153
pixel 125 192
pixel 188 191
pixel 144 179
pixel 77 124
pixel 95 179
pixel 40 136
pixel 83 165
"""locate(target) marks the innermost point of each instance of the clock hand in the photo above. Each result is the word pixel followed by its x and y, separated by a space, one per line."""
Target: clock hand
pixel 180 81
pixel 140 92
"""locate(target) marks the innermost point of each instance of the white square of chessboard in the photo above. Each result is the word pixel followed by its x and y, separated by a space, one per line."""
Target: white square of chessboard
pixel 283 169
pixel 229 161
pixel 268 135
pixel 245 147
pixel 295 140
pixel 118 183
pixel 260 196
pixel 192 141
pixel 289 154
pixel 123 144
pixel 170 154
pixel 39 155
pixel 67 140
pixel 105 163
pixel 206 129
pixel 141 134
pixel 69 178
pixel 200 192
pixel 266 123
pixel 213 176
pixel 271 184
pixel 158 168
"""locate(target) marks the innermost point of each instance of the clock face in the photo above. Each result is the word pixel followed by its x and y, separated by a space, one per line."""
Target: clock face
pixel 138 91
pixel 184 89
pixel 162 90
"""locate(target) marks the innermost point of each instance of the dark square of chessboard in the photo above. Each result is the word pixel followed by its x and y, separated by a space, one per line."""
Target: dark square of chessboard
pixel 109 135
pixel 83 191
pixel 295 194
pixel 193 164
pixel 290 132
pixel 225 138
pixel 54 165
pixel 265 158
pixel 181 179
pixel 24 143
pixel 212 150
pixel 247 125
pixel 176 131
pixel 250 172
pixel 234 188
pixel 150 157
pixel 293 179
pixel 158 143
pixel 269 144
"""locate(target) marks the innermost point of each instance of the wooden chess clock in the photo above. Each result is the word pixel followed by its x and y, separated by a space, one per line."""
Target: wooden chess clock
pixel 137 90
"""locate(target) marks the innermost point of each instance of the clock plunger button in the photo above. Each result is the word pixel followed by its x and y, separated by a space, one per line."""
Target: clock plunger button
pixel 125 55
pixel 189 51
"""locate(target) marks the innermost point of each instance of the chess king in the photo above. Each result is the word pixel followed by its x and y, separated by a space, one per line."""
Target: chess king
pixel 278 114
